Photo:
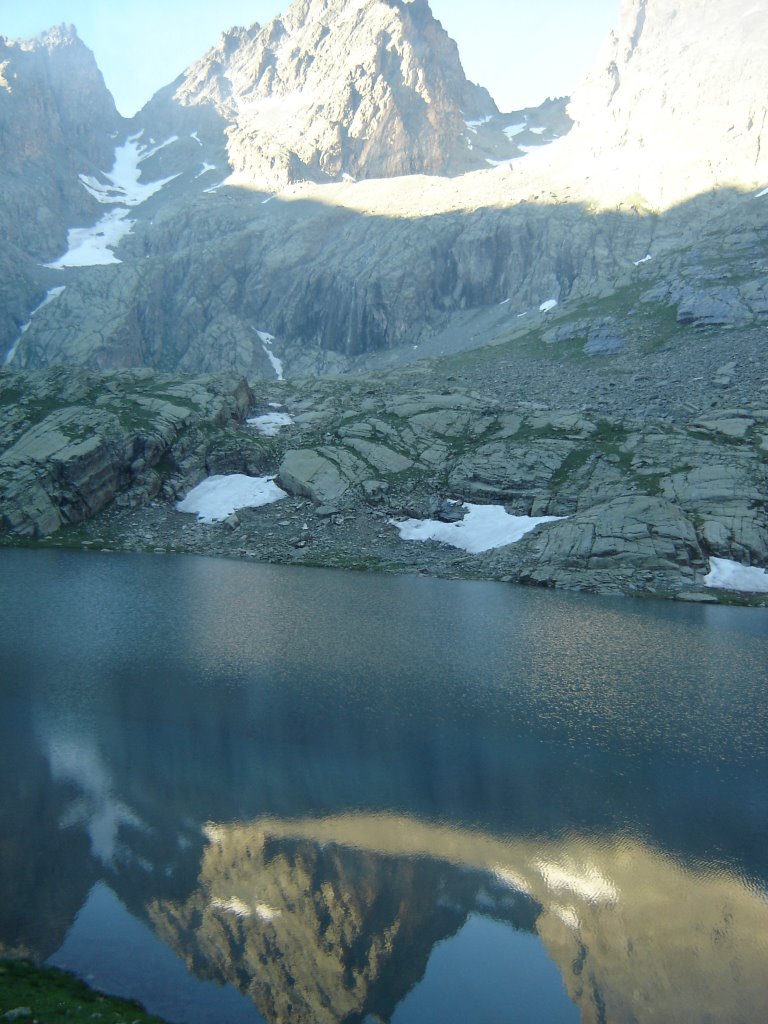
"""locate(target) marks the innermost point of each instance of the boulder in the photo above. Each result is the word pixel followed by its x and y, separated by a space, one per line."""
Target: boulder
pixel 631 543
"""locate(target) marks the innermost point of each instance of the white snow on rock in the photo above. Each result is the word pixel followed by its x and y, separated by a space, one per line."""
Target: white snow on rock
pixel 54 293
pixel 515 129
pixel 205 168
pixel 482 528
pixel 219 496
pixel 90 247
pixel 266 343
pixel 271 423
pixel 124 186
pixel 477 123
pixel 761 194
pixel 546 306
pixel 539 130
pixel 645 259
pixel 727 575
pixel 196 137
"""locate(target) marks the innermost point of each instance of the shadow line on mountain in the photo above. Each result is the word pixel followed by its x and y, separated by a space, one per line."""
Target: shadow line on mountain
pixel 195 287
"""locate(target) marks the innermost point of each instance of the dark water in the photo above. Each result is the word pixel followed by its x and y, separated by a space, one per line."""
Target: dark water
pixel 247 793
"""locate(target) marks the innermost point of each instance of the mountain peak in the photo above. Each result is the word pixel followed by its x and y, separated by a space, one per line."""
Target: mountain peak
pixel 54 38
pixel 368 88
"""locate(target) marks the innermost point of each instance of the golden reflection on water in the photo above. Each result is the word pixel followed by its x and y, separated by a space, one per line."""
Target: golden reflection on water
pixel 310 916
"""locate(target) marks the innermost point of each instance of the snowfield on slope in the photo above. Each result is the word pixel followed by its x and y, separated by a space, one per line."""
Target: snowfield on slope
pixel 219 496
pixel 482 528
pixel 725 574
pixel 94 246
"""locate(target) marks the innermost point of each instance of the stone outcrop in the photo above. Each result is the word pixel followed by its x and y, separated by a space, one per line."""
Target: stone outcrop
pixel 642 504
pixel 71 442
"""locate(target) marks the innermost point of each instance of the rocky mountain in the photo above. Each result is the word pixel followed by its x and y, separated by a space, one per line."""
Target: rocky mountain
pixel 673 106
pixel 207 263
pixel 616 273
pixel 57 121
pixel 369 88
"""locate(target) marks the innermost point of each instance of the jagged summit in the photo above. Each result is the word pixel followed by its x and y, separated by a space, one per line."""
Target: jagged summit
pixel 366 88
pixel 57 36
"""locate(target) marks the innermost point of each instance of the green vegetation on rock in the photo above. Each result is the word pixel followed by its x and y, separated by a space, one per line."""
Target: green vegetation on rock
pixel 45 995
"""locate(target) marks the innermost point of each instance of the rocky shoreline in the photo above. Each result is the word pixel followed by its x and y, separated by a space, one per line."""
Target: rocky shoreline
pixel 98 461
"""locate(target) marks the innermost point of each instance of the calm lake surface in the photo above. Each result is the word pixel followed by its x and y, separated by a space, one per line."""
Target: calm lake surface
pixel 252 793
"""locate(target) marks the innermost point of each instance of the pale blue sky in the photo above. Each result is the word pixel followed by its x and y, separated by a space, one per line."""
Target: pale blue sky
pixel 521 50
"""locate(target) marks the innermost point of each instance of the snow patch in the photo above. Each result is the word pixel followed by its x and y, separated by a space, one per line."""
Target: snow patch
pixel 266 344
pixel 271 423
pixel 219 496
pixel 196 137
pixel 482 528
pixel 347 177
pixel 725 574
pixel 645 259
pixel 515 129
pixel 205 168
pixel 145 154
pixel 477 123
pixel 97 809
pixel 538 130
pixel 124 186
pixel 546 306
pixel 567 915
pixel 242 910
pixel 91 247
pixel 510 879
pixel 54 293
pixel 761 194
pixel 589 882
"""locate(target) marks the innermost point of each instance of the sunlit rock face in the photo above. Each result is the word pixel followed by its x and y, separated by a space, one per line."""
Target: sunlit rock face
pixel 329 919
pixel 367 88
pixel 312 933
pixel 675 104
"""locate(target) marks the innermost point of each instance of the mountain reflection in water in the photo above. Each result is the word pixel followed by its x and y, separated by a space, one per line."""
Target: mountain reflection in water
pixel 306 784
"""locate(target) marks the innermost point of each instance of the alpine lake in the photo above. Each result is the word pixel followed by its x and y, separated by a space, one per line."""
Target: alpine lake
pixel 247 793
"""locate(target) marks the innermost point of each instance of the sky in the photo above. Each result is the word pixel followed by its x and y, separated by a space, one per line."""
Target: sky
pixel 521 50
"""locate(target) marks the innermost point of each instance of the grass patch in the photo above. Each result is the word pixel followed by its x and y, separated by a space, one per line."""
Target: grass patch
pixel 51 995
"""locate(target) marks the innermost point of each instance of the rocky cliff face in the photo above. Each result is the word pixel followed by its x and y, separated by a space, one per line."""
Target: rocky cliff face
pixel 56 119
pixel 72 441
pixel 675 103
pixel 368 88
